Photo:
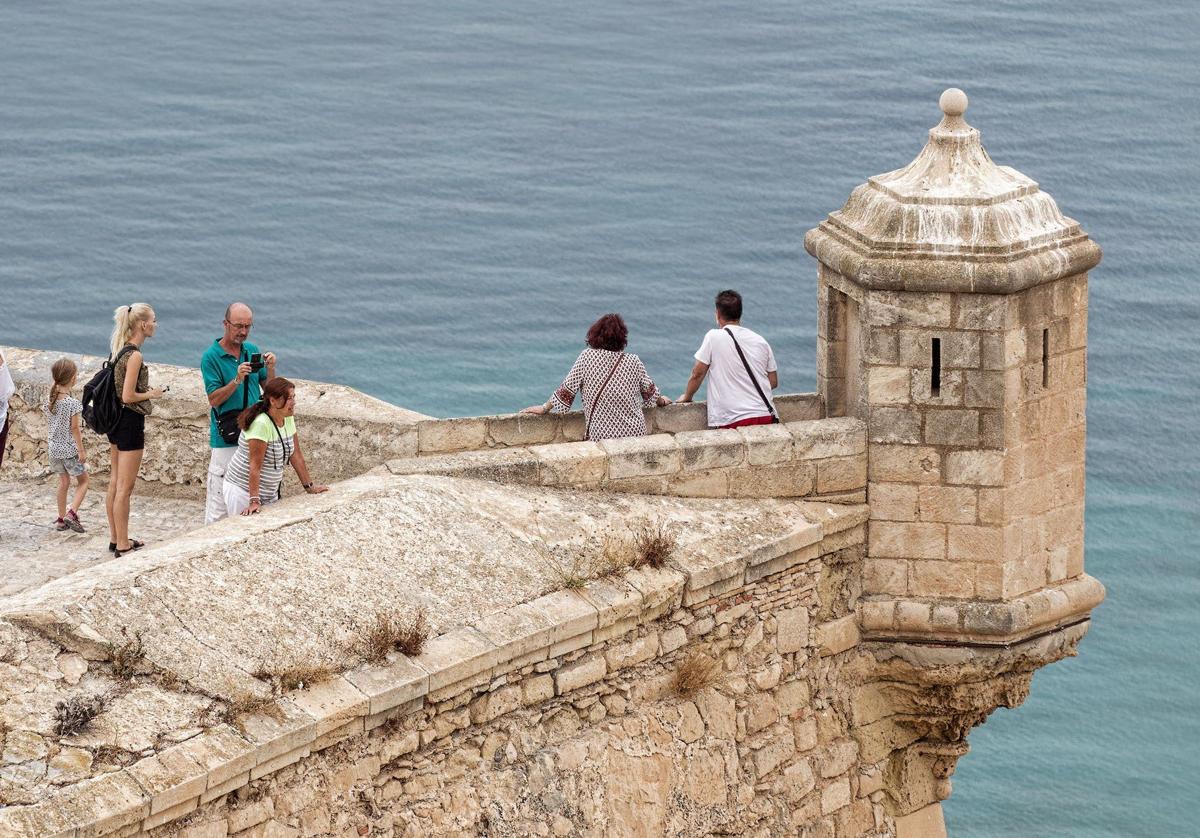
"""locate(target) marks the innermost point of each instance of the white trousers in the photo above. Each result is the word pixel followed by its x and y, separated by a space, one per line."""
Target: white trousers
pixel 214 501
pixel 236 499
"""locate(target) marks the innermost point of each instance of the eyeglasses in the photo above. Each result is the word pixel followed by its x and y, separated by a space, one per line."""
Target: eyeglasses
pixel 245 326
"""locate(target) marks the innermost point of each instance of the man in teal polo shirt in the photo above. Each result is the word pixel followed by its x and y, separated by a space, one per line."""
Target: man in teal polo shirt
pixel 224 367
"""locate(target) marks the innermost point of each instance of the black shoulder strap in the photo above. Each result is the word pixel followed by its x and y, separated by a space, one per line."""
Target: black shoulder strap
pixel 750 373
pixel 122 352
pixel 245 386
pixel 245 381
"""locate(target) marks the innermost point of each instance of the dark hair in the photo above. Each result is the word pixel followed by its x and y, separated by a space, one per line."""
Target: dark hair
pixel 609 332
pixel 277 388
pixel 729 305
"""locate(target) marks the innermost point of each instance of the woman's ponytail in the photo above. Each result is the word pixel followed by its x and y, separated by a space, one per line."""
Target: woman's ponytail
pixel 123 319
pixel 277 388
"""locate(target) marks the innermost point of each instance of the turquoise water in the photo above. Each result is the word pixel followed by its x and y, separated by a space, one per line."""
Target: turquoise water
pixel 431 202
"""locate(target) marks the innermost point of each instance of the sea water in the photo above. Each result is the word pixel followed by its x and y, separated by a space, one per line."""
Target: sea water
pixel 431 201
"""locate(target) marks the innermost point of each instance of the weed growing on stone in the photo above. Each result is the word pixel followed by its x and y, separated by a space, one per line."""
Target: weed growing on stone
pixel 653 543
pixel 577 574
pixel 126 656
pixel 295 676
pixel 377 638
pixel 245 704
pixel 112 756
pixel 413 634
pixel 73 713
pixel 696 672
pixel 391 631
pixel 617 553
pixel 648 544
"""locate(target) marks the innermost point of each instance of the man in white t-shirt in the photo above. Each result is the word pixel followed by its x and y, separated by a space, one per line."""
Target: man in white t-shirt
pixel 733 398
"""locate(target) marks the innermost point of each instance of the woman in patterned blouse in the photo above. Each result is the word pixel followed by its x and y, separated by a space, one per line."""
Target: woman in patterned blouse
pixel 612 384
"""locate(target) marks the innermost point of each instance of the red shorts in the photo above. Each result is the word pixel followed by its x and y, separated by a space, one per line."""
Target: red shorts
pixel 753 420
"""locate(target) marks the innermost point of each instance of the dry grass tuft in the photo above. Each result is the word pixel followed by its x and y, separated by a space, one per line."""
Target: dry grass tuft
pixel 653 544
pixel 112 756
pixel 391 631
pixel 617 553
pixel 73 713
pixel 695 673
pixel 126 656
pixel 246 704
pixel 648 543
pixel 577 574
pixel 295 676
pixel 413 634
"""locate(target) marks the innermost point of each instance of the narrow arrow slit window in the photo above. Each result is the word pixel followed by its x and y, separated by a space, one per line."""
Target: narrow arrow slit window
pixel 1045 358
pixel 935 371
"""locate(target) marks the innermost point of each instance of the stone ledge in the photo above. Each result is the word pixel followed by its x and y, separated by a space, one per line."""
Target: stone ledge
pixel 980 623
pixel 792 459
pixel 508 430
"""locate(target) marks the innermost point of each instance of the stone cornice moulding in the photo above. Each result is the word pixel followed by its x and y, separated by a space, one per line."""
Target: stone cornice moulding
pixel 975 623
pixel 952 220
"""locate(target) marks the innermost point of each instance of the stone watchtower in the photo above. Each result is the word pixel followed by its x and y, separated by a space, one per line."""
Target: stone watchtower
pixel 953 320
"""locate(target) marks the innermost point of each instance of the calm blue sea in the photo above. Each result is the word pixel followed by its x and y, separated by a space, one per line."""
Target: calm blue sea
pixel 432 200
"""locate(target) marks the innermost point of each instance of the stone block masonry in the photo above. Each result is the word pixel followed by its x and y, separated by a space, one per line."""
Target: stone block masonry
pixel 953 300
pixel 506 720
pixel 822 459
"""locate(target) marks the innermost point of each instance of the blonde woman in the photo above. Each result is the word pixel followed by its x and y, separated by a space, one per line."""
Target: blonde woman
pixel 134 324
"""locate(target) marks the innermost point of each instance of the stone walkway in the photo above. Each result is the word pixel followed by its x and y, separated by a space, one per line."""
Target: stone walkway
pixel 32 552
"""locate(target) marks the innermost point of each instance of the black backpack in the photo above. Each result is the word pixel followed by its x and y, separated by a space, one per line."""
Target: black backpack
pixel 101 402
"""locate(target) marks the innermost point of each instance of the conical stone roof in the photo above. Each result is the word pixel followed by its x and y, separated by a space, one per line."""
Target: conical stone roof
pixel 952 220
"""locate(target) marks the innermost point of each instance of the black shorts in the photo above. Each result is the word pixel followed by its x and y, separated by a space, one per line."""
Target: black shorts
pixel 130 433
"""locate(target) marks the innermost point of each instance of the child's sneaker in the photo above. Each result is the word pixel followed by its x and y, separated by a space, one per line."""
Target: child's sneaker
pixel 72 521
pixel 60 524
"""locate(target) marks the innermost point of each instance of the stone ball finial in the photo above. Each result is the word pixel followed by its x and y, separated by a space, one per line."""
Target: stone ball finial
pixel 953 102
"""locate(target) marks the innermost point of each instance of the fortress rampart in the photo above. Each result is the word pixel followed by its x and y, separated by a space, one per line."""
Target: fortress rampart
pixel 345 432
pixel 849 593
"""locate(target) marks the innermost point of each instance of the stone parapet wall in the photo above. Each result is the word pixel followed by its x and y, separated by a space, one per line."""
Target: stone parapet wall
pixel 518 430
pixel 343 432
pixel 818 459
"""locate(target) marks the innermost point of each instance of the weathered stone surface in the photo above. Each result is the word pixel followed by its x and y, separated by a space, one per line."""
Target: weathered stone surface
pixel 580 674
pixel 572 463
pixel 703 450
pixel 642 456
